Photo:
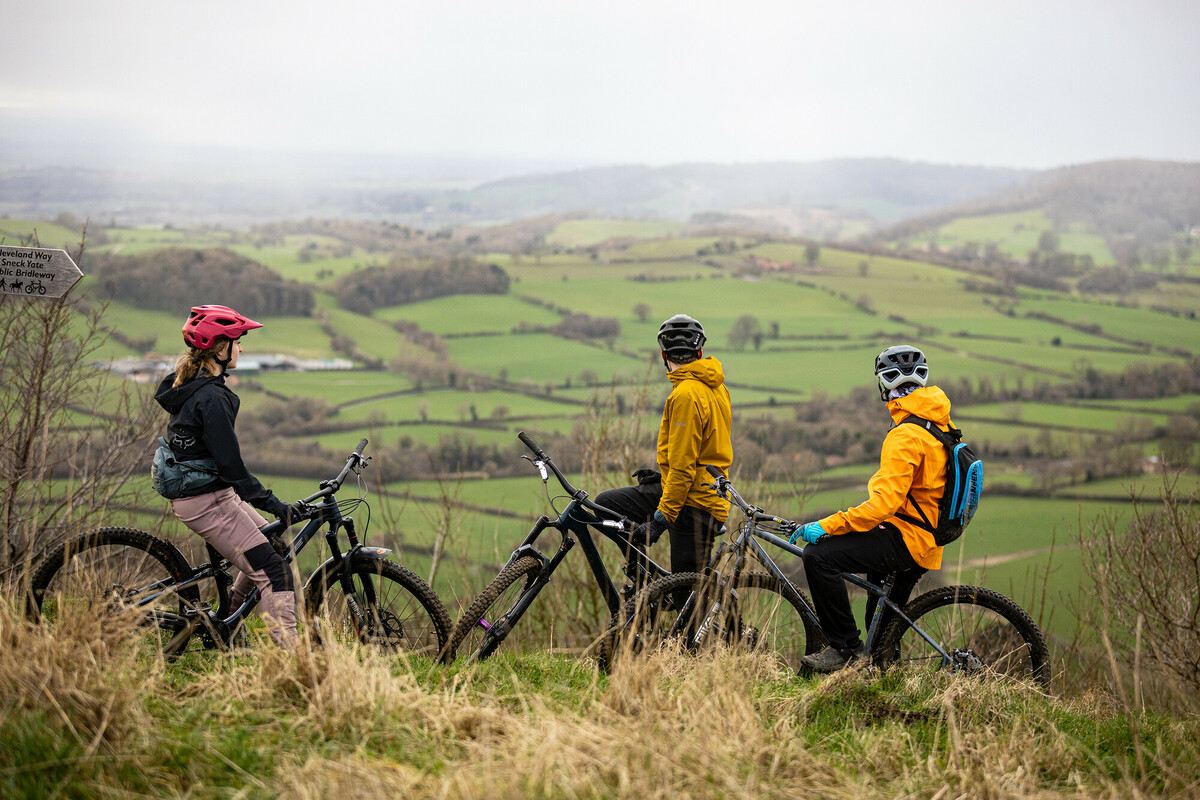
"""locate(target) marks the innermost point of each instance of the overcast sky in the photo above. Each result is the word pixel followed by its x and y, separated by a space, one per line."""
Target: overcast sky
pixel 1026 83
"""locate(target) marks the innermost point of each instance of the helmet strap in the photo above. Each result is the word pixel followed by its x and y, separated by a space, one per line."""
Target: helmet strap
pixel 224 362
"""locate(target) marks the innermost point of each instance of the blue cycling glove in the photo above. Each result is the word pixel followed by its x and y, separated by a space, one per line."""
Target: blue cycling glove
pixel 810 532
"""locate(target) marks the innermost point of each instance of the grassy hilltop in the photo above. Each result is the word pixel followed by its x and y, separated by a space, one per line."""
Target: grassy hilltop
pixel 88 714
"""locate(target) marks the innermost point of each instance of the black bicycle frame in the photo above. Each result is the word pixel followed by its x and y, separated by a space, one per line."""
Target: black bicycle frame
pixel 328 513
pixel 575 519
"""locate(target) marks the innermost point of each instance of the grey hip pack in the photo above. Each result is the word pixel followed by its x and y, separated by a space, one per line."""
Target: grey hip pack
pixel 173 478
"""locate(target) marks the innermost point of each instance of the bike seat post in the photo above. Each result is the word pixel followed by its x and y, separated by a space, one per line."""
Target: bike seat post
pixel 886 590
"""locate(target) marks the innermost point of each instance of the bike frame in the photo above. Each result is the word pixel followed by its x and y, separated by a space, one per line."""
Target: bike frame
pixel 327 513
pixel 754 526
pixel 573 526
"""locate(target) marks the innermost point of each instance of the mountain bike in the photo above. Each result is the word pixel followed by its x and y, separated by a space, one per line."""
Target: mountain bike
pixel 356 593
pixel 965 629
pixel 491 617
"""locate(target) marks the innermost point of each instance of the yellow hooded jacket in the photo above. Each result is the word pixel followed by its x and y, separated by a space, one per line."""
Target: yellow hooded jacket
pixel 695 433
pixel 911 461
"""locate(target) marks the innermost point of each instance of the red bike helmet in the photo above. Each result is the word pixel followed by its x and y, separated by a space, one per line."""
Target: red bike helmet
pixel 205 323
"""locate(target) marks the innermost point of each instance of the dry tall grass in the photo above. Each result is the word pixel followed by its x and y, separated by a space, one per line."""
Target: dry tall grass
pixel 343 721
pixel 85 681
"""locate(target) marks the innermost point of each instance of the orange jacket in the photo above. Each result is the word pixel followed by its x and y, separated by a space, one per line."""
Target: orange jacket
pixel 695 433
pixel 911 461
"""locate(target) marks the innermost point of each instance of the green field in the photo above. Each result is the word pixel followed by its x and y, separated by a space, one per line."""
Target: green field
pixel 1017 234
pixel 470 314
pixel 38 234
pixel 585 232
pixel 1130 324
pixel 1059 415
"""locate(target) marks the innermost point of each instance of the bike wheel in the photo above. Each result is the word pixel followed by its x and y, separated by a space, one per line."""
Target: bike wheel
pixel 117 571
pixel 484 624
pixel 390 607
pixel 763 615
pixel 982 631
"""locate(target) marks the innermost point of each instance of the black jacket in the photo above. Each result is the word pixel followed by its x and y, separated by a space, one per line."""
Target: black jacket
pixel 203 412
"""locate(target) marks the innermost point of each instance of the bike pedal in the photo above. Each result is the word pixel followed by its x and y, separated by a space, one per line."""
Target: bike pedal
pixel 198 609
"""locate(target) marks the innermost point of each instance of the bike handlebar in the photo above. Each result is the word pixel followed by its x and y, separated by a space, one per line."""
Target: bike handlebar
pixel 544 460
pixel 725 489
pixel 537 451
pixel 330 487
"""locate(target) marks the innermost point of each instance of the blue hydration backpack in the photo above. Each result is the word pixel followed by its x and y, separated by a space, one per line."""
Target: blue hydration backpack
pixel 964 485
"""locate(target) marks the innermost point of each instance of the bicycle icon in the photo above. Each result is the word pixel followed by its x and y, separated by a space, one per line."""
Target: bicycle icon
pixel 35 286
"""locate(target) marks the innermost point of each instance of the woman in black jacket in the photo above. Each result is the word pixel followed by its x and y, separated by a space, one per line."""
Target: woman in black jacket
pixel 203 412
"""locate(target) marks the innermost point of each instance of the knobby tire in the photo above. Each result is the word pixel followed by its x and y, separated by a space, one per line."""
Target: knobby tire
pixel 990 635
pixel 493 604
pixel 405 614
pixel 103 569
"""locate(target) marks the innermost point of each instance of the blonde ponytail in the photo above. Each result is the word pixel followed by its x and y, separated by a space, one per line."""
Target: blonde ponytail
pixel 188 365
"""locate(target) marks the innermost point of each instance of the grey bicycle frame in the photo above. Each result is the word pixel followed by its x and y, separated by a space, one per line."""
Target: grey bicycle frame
pixel 745 541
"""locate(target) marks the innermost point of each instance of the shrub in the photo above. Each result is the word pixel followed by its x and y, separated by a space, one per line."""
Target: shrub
pixel 1147 588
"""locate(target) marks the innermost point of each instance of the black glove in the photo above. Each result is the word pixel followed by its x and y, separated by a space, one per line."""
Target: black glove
pixel 289 513
pixel 647 533
pixel 274 507
pixel 296 512
pixel 645 476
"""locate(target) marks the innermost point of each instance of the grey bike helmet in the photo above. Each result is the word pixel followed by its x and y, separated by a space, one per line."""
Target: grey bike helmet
pixel 681 336
pixel 898 365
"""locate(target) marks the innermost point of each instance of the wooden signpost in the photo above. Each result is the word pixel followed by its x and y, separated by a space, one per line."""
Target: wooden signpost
pixel 36 272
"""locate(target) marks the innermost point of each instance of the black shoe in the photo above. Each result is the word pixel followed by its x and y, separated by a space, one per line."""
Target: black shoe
pixel 831 659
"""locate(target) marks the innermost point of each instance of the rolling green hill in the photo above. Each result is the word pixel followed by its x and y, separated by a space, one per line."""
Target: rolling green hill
pixel 1066 394
pixel 1130 213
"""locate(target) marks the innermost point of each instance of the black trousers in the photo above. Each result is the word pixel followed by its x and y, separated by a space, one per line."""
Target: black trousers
pixel 876 552
pixel 692 534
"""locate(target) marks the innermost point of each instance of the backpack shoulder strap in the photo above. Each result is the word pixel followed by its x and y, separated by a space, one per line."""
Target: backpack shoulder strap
pixel 949 437
pixel 923 522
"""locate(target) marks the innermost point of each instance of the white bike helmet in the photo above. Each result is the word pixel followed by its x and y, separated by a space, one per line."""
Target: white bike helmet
pixel 898 365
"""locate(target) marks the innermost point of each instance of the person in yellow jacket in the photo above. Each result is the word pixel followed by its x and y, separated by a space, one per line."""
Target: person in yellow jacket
pixel 878 537
pixel 694 434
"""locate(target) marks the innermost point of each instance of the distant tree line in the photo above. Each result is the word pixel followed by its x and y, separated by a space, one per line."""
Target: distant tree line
pixel 176 278
pixel 585 326
pixel 373 237
pixel 522 238
pixel 365 290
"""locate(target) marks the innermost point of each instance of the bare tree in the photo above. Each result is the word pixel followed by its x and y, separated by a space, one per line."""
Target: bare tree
pixel 71 434
pixel 1146 595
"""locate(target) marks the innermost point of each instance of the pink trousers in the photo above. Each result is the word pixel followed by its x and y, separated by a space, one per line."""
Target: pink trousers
pixel 232 526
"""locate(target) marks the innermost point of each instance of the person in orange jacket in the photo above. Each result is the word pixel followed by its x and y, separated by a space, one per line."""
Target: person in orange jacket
pixel 694 433
pixel 877 537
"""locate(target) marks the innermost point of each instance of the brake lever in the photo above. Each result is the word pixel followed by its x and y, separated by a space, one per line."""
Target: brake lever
pixel 541 468
pixel 720 487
